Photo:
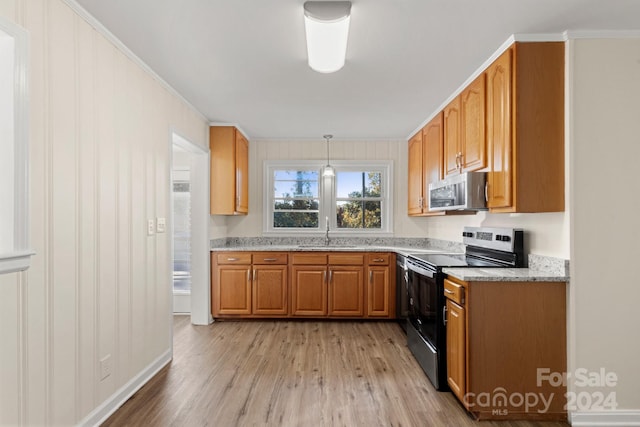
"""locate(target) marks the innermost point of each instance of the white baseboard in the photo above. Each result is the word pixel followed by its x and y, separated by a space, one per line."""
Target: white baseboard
pixel 109 406
pixel 605 419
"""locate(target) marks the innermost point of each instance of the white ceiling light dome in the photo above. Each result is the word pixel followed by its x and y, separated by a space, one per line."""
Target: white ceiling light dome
pixel 327 31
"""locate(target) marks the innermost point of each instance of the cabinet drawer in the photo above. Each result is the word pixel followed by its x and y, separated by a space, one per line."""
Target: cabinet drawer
pixel 308 258
pixel 454 291
pixel 269 258
pixel 234 258
pixel 346 259
pixel 378 259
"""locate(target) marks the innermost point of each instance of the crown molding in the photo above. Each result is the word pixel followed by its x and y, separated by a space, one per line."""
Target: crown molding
pixel 100 28
pixel 602 34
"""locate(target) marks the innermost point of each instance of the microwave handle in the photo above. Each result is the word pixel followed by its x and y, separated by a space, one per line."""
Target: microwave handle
pixel 486 191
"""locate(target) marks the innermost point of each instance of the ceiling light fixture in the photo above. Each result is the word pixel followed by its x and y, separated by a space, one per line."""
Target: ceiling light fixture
pixel 328 169
pixel 327 28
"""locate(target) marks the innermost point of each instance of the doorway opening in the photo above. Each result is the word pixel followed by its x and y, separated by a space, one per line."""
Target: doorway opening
pixel 190 222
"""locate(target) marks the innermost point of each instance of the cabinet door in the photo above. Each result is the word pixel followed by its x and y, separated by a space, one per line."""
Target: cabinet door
pixel 346 291
pixel 414 187
pixel 309 290
pixel 378 291
pixel 233 294
pixel 499 140
pixel 433 138
pixel 456 349
pixel 270 290
pixel 473 140
pixel 452 151
pixel 242 173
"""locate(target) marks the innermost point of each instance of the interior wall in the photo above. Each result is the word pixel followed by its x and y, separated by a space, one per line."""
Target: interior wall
pixel 99 168
pixel 547 234
pixel 605 188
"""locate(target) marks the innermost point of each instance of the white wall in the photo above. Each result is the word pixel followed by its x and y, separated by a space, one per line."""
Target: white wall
pixel 548 234
pixel 605 290
pixel 99 131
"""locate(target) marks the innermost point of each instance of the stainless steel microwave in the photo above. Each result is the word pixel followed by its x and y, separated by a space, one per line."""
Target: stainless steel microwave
pixel 466 191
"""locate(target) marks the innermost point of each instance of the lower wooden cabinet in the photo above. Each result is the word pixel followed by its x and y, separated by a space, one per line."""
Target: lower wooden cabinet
pixel 303 284
pixel 456 349
pixel 270 290
pixel 499 334
pixel 346 291
pixel 309 290
pixel 233 294
pixel 249 284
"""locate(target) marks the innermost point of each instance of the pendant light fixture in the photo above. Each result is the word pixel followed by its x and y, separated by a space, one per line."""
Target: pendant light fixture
pixel 327 28
pixel 328 169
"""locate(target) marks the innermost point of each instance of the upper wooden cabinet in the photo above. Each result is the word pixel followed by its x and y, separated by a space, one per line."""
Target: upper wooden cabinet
pixel 425 166
pixel 464 130
pixel 525 129
pixel 229 171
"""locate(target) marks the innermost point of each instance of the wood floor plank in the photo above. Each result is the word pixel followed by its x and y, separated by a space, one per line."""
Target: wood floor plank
pixel 294 373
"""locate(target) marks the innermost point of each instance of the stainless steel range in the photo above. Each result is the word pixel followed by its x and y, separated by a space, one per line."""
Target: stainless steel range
pixel 426 335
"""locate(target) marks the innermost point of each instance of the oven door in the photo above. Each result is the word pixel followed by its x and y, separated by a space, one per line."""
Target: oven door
pixel 425 311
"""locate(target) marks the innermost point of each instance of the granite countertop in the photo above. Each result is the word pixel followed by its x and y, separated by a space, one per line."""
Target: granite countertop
pixel 541 268
pixel 332 248
pixel 504 275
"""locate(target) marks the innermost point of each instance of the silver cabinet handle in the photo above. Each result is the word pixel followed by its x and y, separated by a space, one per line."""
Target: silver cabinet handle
pixel 448 291
pixel 270 259
pixel 330 276
pixel 444 315
pixel 370 276
pixel 254 274
pixel 378 260
pixel 232 259
pixel 324 276
pixel 248 275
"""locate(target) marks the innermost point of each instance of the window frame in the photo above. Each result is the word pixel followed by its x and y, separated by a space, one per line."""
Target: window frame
pixel 328 197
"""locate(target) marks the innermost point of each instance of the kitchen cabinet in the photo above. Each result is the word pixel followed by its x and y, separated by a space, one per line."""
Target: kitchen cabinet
pixel 456 339
pixel 247 284
pixel 498 335
pixel 425 166
pixel 380 286
pixel 327 284
pixel 525 129
pixel 269 290
pixel 303 284
pixel 229 171
pixel 464 130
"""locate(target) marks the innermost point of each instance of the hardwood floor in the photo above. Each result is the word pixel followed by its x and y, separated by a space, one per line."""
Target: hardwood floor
pixel 294 373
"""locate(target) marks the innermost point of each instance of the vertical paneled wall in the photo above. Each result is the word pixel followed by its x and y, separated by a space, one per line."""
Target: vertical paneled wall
pixel 99 286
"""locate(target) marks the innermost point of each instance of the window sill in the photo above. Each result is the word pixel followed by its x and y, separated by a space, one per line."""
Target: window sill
pixel 15 261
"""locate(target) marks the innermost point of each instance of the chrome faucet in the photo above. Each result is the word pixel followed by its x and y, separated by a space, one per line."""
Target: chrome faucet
pixel 326 234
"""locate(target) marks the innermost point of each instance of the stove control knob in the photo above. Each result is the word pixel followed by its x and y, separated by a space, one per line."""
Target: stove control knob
pixel 503 238
pixel 467 234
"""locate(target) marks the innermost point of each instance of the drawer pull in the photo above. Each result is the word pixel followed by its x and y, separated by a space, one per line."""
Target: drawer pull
pixel 378 260
pixel 233 259
pixel 269 259
pixel 448 291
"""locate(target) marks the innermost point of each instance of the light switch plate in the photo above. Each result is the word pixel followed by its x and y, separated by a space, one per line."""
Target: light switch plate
pixel 151 227
pixel 161 225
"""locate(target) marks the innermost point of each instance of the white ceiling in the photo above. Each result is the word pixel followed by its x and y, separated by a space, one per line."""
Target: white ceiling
pixel 244 61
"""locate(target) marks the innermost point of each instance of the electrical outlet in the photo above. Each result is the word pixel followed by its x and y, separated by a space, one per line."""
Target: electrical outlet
pixel 151 227
pixel 105 367
pixel 161 225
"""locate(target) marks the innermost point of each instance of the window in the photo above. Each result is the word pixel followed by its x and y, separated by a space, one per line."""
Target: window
pixel 299 200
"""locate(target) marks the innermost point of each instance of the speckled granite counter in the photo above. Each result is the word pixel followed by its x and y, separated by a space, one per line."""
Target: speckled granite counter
pixel 541 269
pixel 403 246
